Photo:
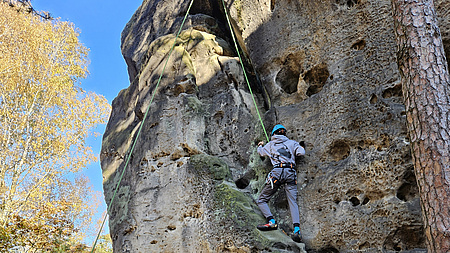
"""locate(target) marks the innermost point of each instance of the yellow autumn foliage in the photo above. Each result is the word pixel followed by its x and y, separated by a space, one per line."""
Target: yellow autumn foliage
pixel 45 119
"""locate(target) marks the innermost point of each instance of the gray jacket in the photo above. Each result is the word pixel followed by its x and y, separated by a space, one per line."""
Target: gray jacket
pixel 281 149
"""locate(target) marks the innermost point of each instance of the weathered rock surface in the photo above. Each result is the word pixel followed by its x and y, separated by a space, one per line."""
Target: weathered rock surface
pixel 328 73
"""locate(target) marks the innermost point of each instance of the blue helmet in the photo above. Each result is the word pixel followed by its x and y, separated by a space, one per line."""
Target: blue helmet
pixel 278 127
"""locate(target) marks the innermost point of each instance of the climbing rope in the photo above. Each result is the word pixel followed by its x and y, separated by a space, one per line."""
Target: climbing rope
pixel 243 69
pixel 140 127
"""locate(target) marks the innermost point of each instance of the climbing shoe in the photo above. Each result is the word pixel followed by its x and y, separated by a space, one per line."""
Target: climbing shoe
pixel 296 237
pixel 269 226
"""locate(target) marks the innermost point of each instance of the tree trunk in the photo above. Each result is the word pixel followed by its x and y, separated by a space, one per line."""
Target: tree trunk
pixel 426 92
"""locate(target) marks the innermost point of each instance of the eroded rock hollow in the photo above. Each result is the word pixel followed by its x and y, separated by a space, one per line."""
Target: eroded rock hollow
pixel 325 69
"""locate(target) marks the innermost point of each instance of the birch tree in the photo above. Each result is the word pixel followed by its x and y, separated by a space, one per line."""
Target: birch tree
pixel 426 93
pixel 45 119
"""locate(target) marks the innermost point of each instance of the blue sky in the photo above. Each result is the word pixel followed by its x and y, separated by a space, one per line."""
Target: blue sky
pixel 100 22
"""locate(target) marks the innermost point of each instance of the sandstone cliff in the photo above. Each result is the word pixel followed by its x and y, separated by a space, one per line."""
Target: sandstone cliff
pixel 325 69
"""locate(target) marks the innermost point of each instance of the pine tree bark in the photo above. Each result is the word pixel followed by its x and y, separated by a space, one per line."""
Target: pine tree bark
pixel 426 94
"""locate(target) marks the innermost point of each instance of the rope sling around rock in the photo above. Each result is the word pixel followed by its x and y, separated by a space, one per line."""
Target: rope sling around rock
pixel 151 100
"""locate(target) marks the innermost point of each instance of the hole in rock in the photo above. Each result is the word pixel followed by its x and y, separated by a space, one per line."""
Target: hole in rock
pixel 365 201
pixel 395 91
pixel 339 150
pixel 373 99
pixel 408 190
pixel 351 3
pixel 365 245
pixel 287 78
pixel 407 237
pixel 359 45
pixel 354 201
pixel 219 115
pixel 348 3
pixel 403 192
pixel 328 250
pixel 242 183
pixel 316 78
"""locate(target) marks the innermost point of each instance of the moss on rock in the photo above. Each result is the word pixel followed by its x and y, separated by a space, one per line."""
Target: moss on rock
pixel 210 164
pixel 195 106
pixel 238 210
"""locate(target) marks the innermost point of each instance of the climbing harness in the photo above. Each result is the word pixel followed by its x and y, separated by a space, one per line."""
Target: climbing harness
pixel 284 165
pixel 151 100
pixel 273 180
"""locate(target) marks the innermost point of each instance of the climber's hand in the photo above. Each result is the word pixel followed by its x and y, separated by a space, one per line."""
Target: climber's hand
pixel 302 143
pixel 260 143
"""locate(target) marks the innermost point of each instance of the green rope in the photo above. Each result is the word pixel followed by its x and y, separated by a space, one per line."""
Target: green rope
pixel 142 124
pixel 243 69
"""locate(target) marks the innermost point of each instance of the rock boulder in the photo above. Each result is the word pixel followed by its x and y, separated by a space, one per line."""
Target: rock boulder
pixel 325 69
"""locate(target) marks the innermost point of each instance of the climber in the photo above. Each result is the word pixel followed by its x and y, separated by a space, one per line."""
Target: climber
pixel 282 152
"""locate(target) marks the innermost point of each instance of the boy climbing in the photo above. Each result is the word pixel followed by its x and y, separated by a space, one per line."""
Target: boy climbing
pixel 282 152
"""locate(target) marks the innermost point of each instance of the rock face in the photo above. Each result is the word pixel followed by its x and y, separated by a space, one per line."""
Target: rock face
pixel 325 69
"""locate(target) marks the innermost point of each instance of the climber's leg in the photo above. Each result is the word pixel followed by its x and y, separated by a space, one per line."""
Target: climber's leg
pixel 266 193
pixel 291 194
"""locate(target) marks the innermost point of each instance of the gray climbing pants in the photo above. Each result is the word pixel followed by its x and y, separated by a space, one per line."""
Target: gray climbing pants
pixel 279 177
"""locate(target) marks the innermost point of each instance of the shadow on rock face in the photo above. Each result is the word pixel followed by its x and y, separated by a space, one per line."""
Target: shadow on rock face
pixel 405 238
